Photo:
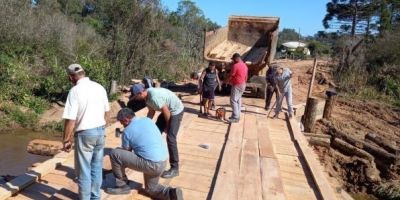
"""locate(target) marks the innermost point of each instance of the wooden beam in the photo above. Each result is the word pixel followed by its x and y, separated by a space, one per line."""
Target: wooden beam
pixel 26 179
pixel 312 79
pixel 317 172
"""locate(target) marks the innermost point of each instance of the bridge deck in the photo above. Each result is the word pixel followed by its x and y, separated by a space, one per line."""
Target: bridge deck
pixel 256 158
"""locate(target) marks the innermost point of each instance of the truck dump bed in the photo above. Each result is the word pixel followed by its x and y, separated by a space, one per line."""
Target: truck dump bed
pixel 254 38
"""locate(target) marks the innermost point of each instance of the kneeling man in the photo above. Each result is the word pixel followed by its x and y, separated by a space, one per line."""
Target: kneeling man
pixel 143 150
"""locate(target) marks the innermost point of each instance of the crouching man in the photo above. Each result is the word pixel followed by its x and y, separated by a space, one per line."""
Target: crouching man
pixel 142 150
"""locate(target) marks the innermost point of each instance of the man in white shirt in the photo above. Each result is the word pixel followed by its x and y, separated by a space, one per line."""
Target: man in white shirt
pixel 84 114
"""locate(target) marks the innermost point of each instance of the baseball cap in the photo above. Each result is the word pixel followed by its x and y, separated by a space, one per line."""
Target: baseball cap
pixel 236 55
pixel 74 69
pixel 136 89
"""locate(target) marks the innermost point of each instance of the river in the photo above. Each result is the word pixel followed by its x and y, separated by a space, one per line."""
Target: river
pixel 14 159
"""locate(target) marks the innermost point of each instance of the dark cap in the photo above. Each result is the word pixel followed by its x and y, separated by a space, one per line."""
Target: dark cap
pixel 136 89
pixel 236 55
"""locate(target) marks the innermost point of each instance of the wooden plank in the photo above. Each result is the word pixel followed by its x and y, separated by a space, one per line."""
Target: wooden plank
pixel 272 186
pixel 264 143
pixel 318 175
pixel 250 127
pixel 192 181
pixel 250 176
pixel 226 186
pixel 23 181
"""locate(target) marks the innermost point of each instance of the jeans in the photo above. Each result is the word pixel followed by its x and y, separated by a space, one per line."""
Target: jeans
pixel 288 96
pixel 236 99
pixel 268 97
pixel 89 149
pixel 121 159
pixel 175 123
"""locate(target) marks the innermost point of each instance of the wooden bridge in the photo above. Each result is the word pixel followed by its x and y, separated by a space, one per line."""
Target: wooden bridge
pixel 257 158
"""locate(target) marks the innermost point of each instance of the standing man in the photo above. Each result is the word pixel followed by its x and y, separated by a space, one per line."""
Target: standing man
pixel 283 81
pixel 84 114
pixel 142 150
pixel 238 79
pixel 169 121
pixel 271 86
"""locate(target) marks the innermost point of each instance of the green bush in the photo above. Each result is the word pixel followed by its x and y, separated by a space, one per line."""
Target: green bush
pixel 26 118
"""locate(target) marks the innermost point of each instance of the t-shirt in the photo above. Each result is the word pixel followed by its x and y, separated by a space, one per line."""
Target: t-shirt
pixel 210 80
pixel 143 136
pixel 86 104
pixel 159 97
pixel 284 81
pixel 239 73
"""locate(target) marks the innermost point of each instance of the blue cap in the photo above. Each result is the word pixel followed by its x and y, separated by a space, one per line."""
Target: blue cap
pixel 136 89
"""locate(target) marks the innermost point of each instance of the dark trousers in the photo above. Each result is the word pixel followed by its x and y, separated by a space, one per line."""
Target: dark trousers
pixel 175 123
pixel 270 92
pixel 121 159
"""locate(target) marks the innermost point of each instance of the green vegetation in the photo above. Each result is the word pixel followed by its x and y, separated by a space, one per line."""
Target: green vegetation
pixel 366 47
pixel 112 39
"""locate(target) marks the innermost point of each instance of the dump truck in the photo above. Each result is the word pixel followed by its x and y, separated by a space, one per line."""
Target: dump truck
pixel 254 38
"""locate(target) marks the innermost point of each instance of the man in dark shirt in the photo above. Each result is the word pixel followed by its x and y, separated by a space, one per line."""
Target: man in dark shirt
pixel 271 86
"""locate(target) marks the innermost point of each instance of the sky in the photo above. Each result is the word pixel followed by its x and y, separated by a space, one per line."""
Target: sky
pixel 305 15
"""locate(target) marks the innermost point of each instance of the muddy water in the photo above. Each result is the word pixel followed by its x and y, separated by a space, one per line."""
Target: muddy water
pixel 14 159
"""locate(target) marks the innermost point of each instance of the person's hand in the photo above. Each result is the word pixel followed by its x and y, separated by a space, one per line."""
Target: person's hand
pixel 219 88
pixel 199 90
pixel 67 145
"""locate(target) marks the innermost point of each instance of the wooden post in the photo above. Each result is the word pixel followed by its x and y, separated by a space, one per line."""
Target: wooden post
pixel 310 114
pixel 329 105
pixel 113 89
pixel 312 79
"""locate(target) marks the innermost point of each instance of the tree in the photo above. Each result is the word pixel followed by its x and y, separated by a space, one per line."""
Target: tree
pixel 287 35
pixel 353 16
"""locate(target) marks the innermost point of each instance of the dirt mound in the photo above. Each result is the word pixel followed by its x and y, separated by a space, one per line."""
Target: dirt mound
pixel 355 119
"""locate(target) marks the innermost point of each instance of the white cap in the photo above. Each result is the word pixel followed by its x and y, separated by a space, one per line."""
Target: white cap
pixel 74 69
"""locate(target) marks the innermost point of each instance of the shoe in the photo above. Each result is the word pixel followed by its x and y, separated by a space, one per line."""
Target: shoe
pixel 171 173
pixel 266 108
pixel 176 194
pixel 233 120
pixel 290 115
pixel 118 190
pixel 276 115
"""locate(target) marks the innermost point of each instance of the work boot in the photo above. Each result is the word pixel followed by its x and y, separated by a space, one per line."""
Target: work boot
pixel 125 189
pixel 233 120
pixel 175 194
pixel 171 173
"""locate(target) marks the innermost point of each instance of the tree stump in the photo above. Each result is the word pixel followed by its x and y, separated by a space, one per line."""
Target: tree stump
pixel 310 114
pixel 329 105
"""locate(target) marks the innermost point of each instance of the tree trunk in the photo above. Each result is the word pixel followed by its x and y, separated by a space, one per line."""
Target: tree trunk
pixel 382 142
pixel 310 114
pixel 378 153
pixel 350 150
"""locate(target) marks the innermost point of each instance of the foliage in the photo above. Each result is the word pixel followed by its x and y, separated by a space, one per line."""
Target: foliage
pixel 318 48
pixel 287 35
pixel 389 191
pixel 24 117
pixel 112 40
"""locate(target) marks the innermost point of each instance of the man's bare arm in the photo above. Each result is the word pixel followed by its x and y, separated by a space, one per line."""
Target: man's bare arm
pixel 167 116
pixel 69 126
pixel 151 113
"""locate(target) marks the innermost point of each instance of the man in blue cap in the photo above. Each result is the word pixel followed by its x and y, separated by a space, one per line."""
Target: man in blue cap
pixel 171 108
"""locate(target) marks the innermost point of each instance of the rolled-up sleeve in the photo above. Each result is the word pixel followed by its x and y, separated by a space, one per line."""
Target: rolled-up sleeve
pixel 71 106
